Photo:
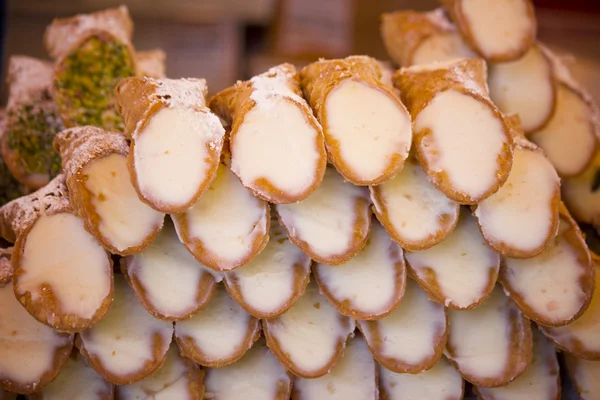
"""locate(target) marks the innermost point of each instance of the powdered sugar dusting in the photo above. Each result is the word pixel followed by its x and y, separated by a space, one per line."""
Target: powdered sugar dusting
pixel 277 81
pixel 438 18
pixel 65 33
pixel 80 145
pixel 29 80
pixel 19 214
pixel 6 269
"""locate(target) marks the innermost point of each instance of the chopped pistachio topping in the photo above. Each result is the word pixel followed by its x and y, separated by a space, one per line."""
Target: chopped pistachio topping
pixel 30 133
pixel 87 79
pixel 10 188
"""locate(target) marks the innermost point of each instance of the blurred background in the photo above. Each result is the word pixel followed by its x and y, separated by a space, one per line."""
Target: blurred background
pixel 226 40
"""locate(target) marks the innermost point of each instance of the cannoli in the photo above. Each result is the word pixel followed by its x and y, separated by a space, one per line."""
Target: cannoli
pixel 257 375
pixel 581 194
pixel 490 345
pixel 310 337
pixel 441 382
pixel 570 138
pixel 177 379
pixel 555 287
pixel 526 87
pixel 282 270
pixel 129 344
pixel 32 353
pixel 151 63
pixel 371 284
pixel 227 227
pixel 413 38
pixel 412 338
pixel 167 279
pixel 76 380
pixel 367 129
pixel 219 334
pixel 31 122
pixel 176 141
pixel 461 138
pixel 580 338
pixel 10 188
pixel 585 375
pixel 541 380
pixel 51 247
pixel 332 225
pixel 461 271
pixel 95 167
pixel 93 52
pixel 277 146
pixel 520 220
pixel 412 210
pixel 500 31
pixel 6 268
pixel 353 377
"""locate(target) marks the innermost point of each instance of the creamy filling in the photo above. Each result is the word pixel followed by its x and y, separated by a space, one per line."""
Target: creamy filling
pixel 28 346
pixel 417 211
pixel 442 47
pixel 412 332
pixel 75 378
pixel 460 268
pixel 125 220
pixel 497 27
pixel 579 194
pixel 481 337
pixel 369 282
pixel 539 379
pixel 124 341
pixel 172 381
pixel 465 141
pixel 373 131
pixel 520 213
pixel 583 332
pixel 585 373
pixel 59 255
pixel 326 220
pixel 524 87
pixel 550 283
pixel 168 274
pixel 258 375
pixel 227 220
pixel 219 330
pixel 353 377
pixel 440 382
pixel 276 143
pixel 568 139
pixel 309 332
pixel 269 282
pixel 171 154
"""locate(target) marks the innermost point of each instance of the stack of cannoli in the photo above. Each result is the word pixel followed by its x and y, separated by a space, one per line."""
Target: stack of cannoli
pixel 345 231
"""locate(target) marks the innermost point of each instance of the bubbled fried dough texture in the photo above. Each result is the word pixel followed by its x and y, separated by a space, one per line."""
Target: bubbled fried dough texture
pixel 489 17
pixel 32 353
pixel 227 227
pixel 404 32
pixel 332 225
pixel 370 285
pixel 556 287
pixel 272 282
pixel 256 110
pixel 490 345
pixel 129 344
pixel 64 34
pixel 411 339
pixel 310 337
pixel 320 80
pixel 79 148
pixel 421 88
pixel 150 107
